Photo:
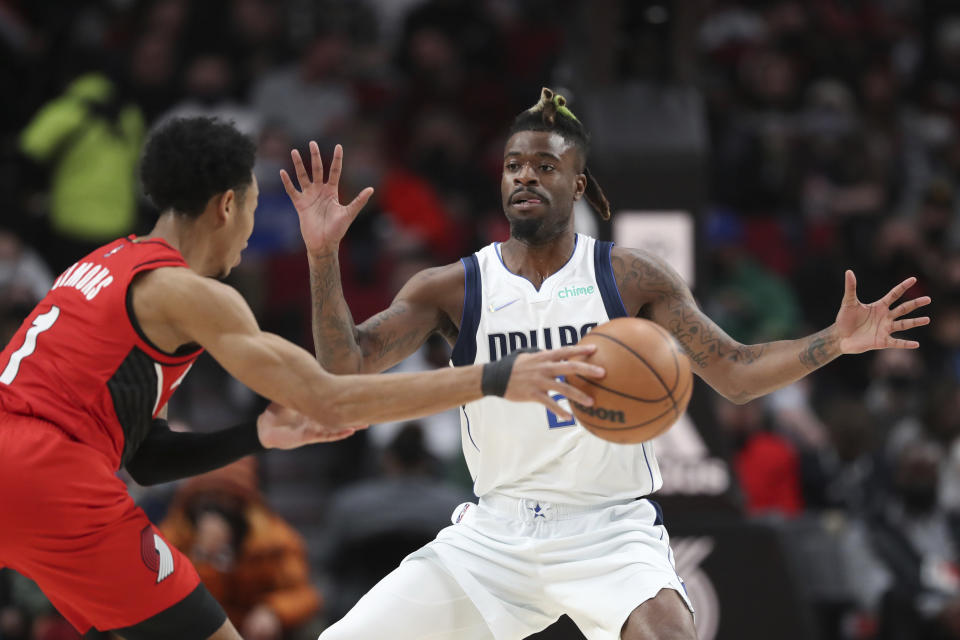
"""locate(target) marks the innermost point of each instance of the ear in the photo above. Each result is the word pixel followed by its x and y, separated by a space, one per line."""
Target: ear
pixel 581 186
pixel 226 206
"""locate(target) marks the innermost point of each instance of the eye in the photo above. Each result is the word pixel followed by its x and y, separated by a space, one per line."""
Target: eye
pixel 547 168
pixel 512 166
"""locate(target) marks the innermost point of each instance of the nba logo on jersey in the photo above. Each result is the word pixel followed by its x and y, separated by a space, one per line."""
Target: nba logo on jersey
pixel 114 250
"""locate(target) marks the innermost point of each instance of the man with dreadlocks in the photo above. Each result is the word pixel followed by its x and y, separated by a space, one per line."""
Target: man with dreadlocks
pixel 558 527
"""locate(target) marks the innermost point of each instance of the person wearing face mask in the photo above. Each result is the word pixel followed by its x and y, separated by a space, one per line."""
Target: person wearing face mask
pixel 916 545
pixel 209 88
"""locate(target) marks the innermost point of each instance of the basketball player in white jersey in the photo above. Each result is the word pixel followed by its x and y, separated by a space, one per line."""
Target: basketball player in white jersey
pixel 558 527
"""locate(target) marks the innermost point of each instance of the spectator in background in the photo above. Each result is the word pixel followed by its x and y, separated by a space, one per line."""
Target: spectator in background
pixel 915 542
pixel 311 98
pixel 846 475
pixel 765 463
pixel 24 277
pixel 252 561
pixel 90 139
pixel 24 280
pixel 153 61
pixel 209 88
pixel 375 523
pixel 895 392
pixel 751 303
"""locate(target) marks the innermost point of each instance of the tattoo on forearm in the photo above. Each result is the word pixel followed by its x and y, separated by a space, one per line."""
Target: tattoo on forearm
pixel 376 343
pixel 702 341
pixel 817 353
pixel 334 335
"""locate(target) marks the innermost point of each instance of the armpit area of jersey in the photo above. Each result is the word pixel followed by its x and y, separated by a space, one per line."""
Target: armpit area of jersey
pixel 167 455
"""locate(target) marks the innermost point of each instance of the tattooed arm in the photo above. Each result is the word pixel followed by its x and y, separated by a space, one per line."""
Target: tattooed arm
pixel 740 372
pixel 425 305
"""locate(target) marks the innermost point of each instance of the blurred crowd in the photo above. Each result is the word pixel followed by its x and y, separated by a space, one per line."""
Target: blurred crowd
pixel 832 141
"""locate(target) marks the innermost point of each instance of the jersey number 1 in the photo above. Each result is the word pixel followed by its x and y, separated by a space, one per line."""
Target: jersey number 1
pixel 40 324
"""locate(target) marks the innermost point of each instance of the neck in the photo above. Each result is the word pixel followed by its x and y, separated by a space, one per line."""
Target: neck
pixel 182 233
pixel 537 262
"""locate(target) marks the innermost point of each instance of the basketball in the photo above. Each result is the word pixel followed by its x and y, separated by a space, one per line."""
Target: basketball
pixel 647 386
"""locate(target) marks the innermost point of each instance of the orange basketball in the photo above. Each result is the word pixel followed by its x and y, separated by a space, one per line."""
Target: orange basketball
pixel 647 386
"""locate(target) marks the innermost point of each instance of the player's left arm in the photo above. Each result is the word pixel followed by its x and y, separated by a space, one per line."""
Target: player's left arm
pixel 740 372
pixel 166 455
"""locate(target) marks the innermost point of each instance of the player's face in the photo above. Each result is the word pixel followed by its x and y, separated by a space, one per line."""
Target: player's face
pixel 541 179
pixel 242 223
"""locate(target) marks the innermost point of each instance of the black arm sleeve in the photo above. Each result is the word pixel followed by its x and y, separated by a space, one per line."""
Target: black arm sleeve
pixel 167 455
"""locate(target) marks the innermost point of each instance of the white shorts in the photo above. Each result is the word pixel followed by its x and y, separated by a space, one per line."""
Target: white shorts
pixel 524 563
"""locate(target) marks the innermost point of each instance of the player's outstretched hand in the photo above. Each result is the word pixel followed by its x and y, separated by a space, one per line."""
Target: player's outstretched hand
pixel 282 428
pixel 861 327
pixel 323 220
pixel 534 377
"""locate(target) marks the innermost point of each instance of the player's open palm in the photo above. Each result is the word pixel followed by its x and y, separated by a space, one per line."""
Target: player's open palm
pixel 534 377
pixel 280 427
pixel 323 220
pixel 862 327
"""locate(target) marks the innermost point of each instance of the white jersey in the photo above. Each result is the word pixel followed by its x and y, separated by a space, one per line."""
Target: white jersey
pixel 523 450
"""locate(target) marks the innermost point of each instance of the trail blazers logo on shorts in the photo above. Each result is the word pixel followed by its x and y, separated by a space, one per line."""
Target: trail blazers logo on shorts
pixel 156 554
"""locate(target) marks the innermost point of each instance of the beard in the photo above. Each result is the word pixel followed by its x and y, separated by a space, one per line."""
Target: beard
pixel 536 231
pixel 526 230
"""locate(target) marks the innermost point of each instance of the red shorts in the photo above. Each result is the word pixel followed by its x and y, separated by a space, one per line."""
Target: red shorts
pixel 68 523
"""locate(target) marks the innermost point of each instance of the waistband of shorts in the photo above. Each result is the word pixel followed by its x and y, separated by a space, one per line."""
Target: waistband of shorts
pixel 533 508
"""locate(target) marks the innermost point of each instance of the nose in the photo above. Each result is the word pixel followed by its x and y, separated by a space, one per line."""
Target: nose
pixel 525 176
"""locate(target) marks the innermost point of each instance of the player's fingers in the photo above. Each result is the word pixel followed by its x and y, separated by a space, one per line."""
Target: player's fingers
pixel 315 162
pixel 324 434
pixel 335 166
pixel 571 392
pixel 357 203
pixel 897 292
pixel 554 406
pixel 910 323
pixel 339 435
pixel 575 367
pixel 910 305
pixel 300 169
pixel 565 353
pixel 849 286
pixel 896 343
pixel 288 184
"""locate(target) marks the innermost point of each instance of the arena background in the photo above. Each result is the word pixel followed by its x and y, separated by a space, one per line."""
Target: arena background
pixel 761 146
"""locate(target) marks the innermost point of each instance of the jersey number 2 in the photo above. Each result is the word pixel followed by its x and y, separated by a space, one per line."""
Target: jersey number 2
pixel 553 420
pixel 40 324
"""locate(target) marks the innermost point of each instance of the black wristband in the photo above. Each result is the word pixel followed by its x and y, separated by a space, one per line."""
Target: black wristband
pixel 496 375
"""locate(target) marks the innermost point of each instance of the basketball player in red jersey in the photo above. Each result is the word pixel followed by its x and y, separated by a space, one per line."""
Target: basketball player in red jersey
pixel 85 382
pixel 628 589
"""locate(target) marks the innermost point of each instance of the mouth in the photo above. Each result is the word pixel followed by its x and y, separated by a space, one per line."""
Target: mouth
pixel 526 200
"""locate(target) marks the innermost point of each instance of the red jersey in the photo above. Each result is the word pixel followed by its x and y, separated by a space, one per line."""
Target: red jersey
pixel 80 360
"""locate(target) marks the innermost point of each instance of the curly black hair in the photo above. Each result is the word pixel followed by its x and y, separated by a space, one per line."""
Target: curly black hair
pixel 551 114
pixel 187 161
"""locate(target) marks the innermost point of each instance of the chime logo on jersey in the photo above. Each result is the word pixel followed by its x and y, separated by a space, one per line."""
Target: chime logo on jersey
pixel 502 344
pixel 155 553
pixel 573 291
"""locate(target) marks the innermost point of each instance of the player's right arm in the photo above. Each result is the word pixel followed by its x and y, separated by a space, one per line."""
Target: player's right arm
pixel 175 306
pixel 422 307
pixel 425 305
